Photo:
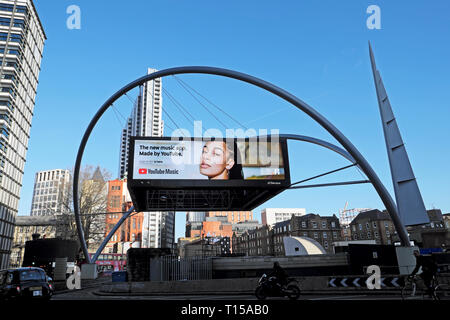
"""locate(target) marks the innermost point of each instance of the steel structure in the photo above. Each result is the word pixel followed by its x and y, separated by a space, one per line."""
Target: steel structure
pixel 411 208
pixel 347 216
pixel 301 105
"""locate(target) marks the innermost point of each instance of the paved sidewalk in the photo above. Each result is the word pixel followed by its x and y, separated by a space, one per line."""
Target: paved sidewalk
pixel 61 286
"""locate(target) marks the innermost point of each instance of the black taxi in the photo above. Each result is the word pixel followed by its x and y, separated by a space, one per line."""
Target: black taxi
pixel 30 283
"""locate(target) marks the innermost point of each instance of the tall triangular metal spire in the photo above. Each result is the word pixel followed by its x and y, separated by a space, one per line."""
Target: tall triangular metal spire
pixel 410 204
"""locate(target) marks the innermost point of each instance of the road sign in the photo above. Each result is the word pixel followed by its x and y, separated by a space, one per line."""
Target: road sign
pixel 360 282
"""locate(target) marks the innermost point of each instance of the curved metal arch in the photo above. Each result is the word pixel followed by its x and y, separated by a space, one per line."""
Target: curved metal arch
pixel 316 116
pixel 308 139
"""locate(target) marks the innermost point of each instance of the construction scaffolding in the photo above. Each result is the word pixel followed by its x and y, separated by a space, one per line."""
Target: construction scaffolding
pixel 346 216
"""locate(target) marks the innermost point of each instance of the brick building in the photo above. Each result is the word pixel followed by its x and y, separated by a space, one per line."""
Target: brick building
pixel 346 233
pixel 118 201
pixel 373 225
pixel 268 240
pixel 216 227
pixel 243 226
pixel 323 229
pixel 232 216
pixel 432 234
pixel 194 222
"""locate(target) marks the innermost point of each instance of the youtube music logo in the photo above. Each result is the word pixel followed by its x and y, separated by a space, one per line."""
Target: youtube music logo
pixel 142 171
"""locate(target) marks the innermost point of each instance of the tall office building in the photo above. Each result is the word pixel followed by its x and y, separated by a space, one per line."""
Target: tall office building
pixel 51 190
pixel 270 216
pixel 194 223
pixel 158 230
pixel 145 119
pixel 22 40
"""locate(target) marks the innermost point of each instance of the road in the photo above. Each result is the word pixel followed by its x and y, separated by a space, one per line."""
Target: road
pixel 89 294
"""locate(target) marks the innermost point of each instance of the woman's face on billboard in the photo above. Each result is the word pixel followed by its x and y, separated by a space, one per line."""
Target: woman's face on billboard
pixel 215 161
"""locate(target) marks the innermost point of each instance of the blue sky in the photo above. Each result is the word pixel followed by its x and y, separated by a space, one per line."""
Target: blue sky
pixel 317 50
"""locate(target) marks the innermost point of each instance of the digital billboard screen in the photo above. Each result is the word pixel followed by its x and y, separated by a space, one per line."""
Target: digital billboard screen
pixel 209 162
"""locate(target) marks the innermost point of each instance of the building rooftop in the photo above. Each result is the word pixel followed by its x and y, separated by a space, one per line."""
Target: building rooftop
pixel 374 214
pixel 282 224
pixel 299 246
pixel 222 219
pixel 35 220
pixel 97 176
pixel 435 215
pixel 39 20
pixel 312 215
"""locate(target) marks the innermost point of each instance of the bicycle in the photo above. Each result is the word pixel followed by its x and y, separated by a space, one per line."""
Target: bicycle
pixel 411 289
pixel 441 291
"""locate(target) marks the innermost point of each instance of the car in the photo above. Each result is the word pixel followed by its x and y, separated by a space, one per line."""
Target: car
pixel 25 283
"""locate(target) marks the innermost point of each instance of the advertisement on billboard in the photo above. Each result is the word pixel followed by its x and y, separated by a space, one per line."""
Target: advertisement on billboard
pixel 213 160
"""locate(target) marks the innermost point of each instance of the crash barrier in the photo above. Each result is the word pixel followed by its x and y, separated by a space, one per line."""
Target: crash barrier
pixel 247 285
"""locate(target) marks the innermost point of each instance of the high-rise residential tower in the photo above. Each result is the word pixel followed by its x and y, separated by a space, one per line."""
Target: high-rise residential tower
pixel 158 230
pixel 22 40
pixel 51 190
pixel 145 119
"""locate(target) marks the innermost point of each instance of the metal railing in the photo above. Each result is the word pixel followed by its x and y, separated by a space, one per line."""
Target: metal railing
pixel 174 268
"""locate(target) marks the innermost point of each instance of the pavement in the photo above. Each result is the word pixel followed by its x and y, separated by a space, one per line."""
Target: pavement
pixel 93 290
pixel 61 286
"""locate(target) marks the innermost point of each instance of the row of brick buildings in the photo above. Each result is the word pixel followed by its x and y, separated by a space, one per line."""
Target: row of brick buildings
pixel 372 226
pixel 268 240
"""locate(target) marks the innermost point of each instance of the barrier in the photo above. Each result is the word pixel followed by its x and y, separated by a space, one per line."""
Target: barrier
pixel 248 285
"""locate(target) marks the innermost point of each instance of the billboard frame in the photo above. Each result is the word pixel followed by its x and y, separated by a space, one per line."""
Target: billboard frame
pixel 194 183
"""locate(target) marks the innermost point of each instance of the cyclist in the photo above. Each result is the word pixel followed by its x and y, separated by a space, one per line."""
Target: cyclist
pixel 429 269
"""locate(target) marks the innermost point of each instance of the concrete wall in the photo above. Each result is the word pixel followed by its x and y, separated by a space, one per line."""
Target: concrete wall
pixel 313 265
pixel 232 263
